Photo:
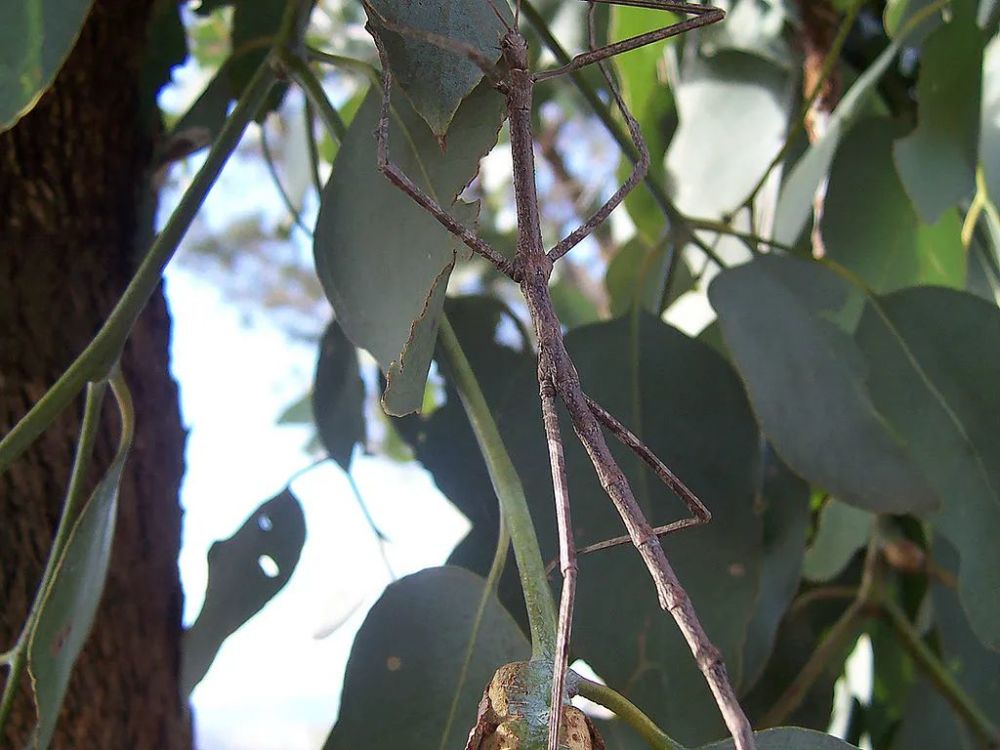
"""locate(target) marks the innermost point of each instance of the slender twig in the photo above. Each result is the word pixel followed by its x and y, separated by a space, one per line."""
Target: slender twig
pixel 313 147
pixel 342 61
pixel 300 72
pixel 95 362
pixel 627 711
pixel 510 493
pixel 939 675
pixel 822 594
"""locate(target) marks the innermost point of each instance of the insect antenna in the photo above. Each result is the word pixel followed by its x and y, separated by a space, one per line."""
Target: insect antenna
pixel 499 15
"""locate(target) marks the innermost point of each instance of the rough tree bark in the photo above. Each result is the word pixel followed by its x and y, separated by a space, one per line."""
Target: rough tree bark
pixel 72 175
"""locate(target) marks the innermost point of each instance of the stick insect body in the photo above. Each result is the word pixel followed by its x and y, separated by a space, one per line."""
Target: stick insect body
pixel 557 375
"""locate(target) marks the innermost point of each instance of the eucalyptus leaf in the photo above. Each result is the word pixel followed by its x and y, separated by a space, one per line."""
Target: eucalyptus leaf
pixel 934 361
pixel 989 126
pixel 409 683
pixel 937 162
pixel 843 530
pixel 239 585
pixel 436 80
pixel 787 738
pixel 338 397
pixel 68 608
pixel 870 226
pixel 788 325
pixel 35 39
pixel 383 260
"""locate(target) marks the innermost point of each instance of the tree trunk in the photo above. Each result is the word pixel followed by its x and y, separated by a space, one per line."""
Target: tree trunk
pixel 73 174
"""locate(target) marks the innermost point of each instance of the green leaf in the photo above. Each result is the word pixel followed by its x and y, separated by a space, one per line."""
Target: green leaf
pixel 408 663
pixel 807 382
pixel 937 162
pixel 934 361
pixel 299 411
pixel 384 262
pixel 786 516
pixel 754 27
pixel 255 24
pixel 437 80
pixel 69 606
pixel 338 396
pixel 642 73
pixel 636 274
pixel 241 580
pixel 843 530
pixel 789 739
pixel 869 224
pixel 899 12
pixel 989 128
pixel 35 39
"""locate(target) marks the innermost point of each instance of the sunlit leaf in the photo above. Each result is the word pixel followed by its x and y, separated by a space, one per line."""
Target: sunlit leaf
pixel 870 226
pixel 338 396
pixel 35 39
pixel 989 127
pixel 937 162
pixel 436 80
pixel 242 579
pixel 409 661
pixel 384 262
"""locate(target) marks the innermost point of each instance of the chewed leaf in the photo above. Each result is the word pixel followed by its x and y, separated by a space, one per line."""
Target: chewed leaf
pixel 383 260
pixel 436 79
pixel 242 578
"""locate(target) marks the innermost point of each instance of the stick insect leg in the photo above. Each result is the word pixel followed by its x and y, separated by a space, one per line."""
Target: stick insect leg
pixel 567 560
pixel 639 169
pixel 704 15
pixel 404 183
pixel 700 515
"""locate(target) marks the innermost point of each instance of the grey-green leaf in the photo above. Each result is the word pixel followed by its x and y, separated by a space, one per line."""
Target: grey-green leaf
pixel 241 581
pixel 870 226
pixel 68 609
pixel 35 38
pixel 843 530
pixel 807 382
pixel 787 738
pixel 338 397
pixel 435 79
pixel 384 261
pixel 937 162
pixel 934 359
pixel 408 663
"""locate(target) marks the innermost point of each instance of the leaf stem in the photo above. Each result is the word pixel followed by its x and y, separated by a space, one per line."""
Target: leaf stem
pixel 628 712
pixel 940 676
pixel 301 73
pixel 97 359
pixel 342 61
pixel 510 493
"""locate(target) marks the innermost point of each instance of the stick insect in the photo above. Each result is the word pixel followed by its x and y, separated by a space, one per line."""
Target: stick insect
pixel 557 376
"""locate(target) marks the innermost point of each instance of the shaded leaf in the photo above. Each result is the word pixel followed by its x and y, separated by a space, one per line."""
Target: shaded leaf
pixel 35 39
pixel 255 24
pixel 636 275
pixel 384 261
pixel 843 530
pixel 338 398
pixel 408 662
pixel 68 608
pixel 437 80
pixel 934 359
pixel 870 226
pixel 989 126
pixel 899 12
pixel 784 503
pixel 807 382
pixel 239 584
pixel 789 739
pixel 937 162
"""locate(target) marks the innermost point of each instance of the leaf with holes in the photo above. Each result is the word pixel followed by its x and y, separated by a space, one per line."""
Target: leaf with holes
pixel 69 606
pixel 338 396
pixel 937 162
pixel 436 80
pixel 412 679
pixel 383 260
pixel 241 580
pixel 35 39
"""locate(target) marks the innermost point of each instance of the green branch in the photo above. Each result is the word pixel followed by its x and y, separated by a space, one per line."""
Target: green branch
pixel 627 711
pixel 299 71
pixel 510 493
pixel 96 361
